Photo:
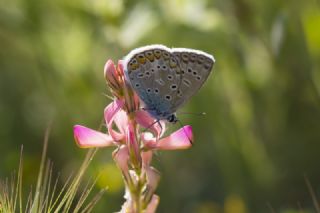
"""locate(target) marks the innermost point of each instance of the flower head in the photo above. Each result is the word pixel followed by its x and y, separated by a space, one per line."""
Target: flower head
pixel 120 88
pixel 135 134
pixel 114 77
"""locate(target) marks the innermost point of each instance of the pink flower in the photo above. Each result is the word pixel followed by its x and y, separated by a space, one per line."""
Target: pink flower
pixel 121 157
pixel 114 79
pixel 119 86
pixel 153 204
pixel 135 134
pixel 145 120
pixel 87 138
pixel 180 139
pixel 116 116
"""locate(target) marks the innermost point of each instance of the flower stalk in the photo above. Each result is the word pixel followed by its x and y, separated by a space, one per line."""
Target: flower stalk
pixel 136 135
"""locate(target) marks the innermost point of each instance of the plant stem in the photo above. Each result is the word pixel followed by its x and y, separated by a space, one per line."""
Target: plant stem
pixel 136 194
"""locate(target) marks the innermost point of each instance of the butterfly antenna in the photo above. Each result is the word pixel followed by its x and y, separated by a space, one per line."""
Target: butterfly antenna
pixel 192 113
pixel 157 121
pixel 185 132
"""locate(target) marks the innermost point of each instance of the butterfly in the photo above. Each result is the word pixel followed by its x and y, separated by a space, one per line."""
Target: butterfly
pixel 166 78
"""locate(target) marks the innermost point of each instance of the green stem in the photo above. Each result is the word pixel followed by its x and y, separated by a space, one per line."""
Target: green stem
pixel 136 193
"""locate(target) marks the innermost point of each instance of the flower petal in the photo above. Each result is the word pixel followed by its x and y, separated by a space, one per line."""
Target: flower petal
pixel 180 139
pixel 121 120
pixel 88 138
pixel 110 72
pixel 147 121
pixel 121 157
pixel 133 145
pixel 146 158
pixel 152 206
pixel 153 178
pixel 110 114
pixel 112 109
pixel 121 67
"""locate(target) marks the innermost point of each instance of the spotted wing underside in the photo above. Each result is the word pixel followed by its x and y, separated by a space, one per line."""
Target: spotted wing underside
pixel 164 78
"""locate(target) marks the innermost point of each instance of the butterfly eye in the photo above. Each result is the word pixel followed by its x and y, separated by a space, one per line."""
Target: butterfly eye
pixel 172 119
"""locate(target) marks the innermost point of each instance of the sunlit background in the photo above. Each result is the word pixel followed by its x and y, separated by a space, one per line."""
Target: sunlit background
pixel 261 133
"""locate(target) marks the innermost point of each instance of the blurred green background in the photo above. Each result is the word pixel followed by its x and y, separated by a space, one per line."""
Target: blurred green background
pixel 261 133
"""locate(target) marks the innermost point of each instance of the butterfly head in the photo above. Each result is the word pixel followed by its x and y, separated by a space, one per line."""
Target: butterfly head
pixel 159 115
pixel 172 118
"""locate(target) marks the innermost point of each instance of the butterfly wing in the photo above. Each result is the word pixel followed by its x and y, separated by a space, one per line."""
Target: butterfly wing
pixel 195 68
pixel 154 73
pixel 164 78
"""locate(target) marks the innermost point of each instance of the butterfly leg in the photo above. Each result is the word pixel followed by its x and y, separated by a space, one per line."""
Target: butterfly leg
pixel 153 123
pixel 158 136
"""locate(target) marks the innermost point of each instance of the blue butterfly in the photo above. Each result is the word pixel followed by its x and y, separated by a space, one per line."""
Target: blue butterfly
pixel 165 79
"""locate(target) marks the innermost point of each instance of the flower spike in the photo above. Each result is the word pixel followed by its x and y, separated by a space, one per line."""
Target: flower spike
pixel 136 134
